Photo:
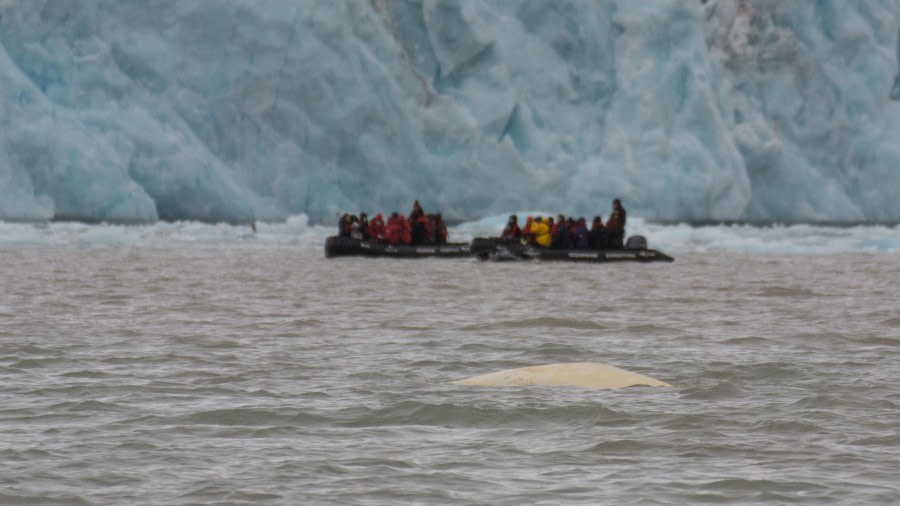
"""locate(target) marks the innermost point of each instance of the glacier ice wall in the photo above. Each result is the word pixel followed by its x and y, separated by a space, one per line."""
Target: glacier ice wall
pixel 235 110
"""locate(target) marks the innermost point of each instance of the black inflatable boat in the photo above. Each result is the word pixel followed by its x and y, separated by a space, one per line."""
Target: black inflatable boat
pixel 635 250
pixel 344 246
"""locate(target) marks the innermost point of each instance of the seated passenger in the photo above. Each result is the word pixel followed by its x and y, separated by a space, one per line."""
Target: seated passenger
pixel 527 235
pixel 364 226
pixel 439 230
pixel 561 239
pixel 596 234
pixel 580 238
pixel 376 228
pixel 355 233
pixel 512 232
pixel 344 226
pixel 541 232
pixel 393 233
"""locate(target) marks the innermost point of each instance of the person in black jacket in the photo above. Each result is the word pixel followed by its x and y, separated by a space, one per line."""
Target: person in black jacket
pixel 615 225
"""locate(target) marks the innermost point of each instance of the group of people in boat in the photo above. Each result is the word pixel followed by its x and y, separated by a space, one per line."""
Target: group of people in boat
pixel 416 229
pixel 569 233
pixel 560 233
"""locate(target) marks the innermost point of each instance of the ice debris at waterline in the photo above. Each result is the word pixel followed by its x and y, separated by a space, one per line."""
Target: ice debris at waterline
pixel 580 374
pixel 234 110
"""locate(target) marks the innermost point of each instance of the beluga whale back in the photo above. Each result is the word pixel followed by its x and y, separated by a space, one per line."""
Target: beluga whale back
pixel 577 374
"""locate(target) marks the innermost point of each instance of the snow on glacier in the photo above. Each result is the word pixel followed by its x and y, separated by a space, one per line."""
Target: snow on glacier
pixel 237 110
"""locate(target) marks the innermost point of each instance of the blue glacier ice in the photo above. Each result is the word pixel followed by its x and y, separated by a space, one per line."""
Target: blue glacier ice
pixel 241 110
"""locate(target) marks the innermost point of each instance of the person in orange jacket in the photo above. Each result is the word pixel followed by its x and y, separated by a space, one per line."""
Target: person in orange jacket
pixel 527 235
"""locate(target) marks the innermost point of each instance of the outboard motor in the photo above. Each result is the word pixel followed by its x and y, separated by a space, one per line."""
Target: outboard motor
pixel 636 242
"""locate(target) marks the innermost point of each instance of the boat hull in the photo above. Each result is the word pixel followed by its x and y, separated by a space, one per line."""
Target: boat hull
pixel 345 246
pixel 494 249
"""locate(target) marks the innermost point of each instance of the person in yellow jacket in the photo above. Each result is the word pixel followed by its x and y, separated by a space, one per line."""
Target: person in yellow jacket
pixel 541 231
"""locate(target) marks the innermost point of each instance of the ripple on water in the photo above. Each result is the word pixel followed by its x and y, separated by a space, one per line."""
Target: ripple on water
pixel 788 292
pixel 480 416
pixel 550 323
pixel 715 391
pixel 27 498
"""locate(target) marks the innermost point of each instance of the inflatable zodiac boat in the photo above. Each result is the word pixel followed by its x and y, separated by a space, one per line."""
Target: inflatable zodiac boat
pixel 635 250
pixel 494 249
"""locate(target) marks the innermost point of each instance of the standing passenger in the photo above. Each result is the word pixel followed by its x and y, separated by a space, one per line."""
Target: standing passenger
pixel 418 225
pixel 416 211
pixel 580 237
pixel 440 229
pixel 616 225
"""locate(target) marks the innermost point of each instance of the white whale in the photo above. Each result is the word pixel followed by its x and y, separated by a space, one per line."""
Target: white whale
pixel 578 374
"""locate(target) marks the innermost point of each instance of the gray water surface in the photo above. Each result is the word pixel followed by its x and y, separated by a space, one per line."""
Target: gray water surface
pixel 260 374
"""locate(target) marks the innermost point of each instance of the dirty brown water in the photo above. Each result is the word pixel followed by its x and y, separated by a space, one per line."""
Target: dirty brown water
pixel 243 372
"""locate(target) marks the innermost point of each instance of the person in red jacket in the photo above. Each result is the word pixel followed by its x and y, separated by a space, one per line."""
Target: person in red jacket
pixel 393 233
pixel 512 232
pixel 376 228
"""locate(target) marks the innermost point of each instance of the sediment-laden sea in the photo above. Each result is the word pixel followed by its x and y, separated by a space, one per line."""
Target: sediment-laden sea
pixel 185 363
